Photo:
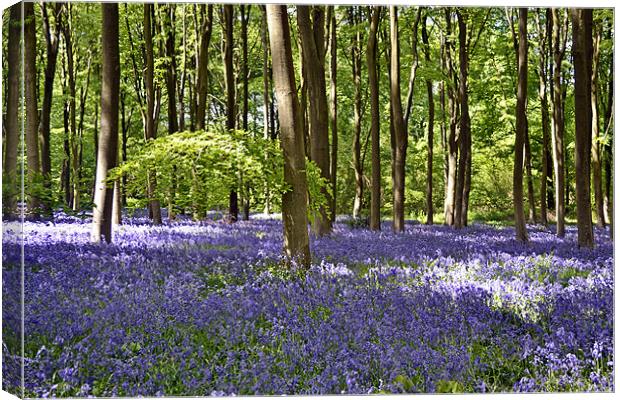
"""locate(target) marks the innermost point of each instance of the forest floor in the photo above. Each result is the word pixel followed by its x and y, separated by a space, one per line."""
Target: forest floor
pixel 208 309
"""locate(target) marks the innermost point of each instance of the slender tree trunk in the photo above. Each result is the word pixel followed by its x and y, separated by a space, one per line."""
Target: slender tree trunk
pixel 431 121
pixel 373 83
pixel 313 56
pixel 108 140
pixel 9 176
pixel 528 174
pixel 460 214
pixel 356 62
pixel 597 171
pixel 453 145
pixel 51 34
pixel 231 109
pixel 333 64
pixel 557 138
pixel 521 134
pixel 30 98
pixel 544 36
pixel 245 15
pixel 149 131
pixel 266 96
pixel 400 133
pixel 608 153
pixel 582 48
pixel 294 202
pixel 202 86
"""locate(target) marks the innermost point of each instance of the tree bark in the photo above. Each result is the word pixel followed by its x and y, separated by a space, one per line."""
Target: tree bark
pixel 430 133
pixel 333 114
pixel 557 137
pixel 231 109
pixel 582 47
pixel 597 171
pixel 108 140
pixel 373 83
pixel 266 95
pixel 356 62
pixel 245 16
pixel 294 201
pixel 51 34
pixel 453 145
pixel 521 131
pixel 202 84
pixel 11 185
pixel 149 125
pixel 460 214
pixel 400 133
pixel 313 56
pixel 544 35
pixel 32 117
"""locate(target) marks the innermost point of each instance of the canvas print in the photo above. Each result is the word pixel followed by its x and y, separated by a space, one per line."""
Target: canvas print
pixel 207 199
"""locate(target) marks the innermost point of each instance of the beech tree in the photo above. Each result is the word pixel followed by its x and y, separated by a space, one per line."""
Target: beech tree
pixel 521 132
pixel 373 83
pixel 31 104
pixel 108 139
pixel 582 56
pixel 313 58
pixel 294 201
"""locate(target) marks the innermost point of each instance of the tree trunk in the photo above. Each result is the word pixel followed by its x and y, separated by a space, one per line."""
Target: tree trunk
pixel 202 84
pixel 294 201
pixel 373 82
pixel 30 98
pixel 453 145
pixel 431 121
pixel 11 186
pixel 266 95
pixel 245 16
pixel 608 149
pixel 333 64
pixel 521 131
pixel 356 62
pixel 400 133
pixel 460 212
pixel 313 57
pixel 108 140
pixel 582 48
pixel 597 171
pixel 544 36
pixel 557 138
pixel 51 42
pixel 149 120
pixel 528 173
pixel 231 109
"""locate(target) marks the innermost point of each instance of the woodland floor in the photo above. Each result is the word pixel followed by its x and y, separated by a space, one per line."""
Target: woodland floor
pixel 209 309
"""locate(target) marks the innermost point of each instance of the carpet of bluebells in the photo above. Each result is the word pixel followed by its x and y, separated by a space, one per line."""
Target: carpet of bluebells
pixel 208 309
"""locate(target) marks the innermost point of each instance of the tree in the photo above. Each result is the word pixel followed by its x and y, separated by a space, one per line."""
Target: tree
pixel 333 110
pixel 294 202
pixel 557 139
pixel 11 123
pixel 582 48
pixel 597 171
pixel 313 57
pixel 464 164
pixel 149 114
pixel 32 112
pixel 108 139
pixel 52 36
pixel 356 64
pixel 202 84
pixel 245 17
pixel 400 132
pixel 453 106
pixel 373 83
pixel 231 108
pixel 266 93
pixel 517 182
pixel 431 121
pixel 544 36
